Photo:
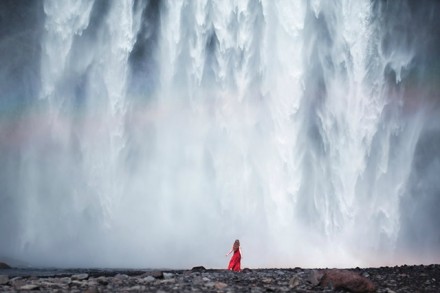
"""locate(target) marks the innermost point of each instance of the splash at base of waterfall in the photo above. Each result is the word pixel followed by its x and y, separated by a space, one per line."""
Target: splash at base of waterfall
pixel 154 133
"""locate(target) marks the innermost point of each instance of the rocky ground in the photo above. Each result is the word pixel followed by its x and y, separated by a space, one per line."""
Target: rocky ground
pixel 199 279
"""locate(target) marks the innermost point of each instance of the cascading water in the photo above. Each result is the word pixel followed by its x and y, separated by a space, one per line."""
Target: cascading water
pixel 154 133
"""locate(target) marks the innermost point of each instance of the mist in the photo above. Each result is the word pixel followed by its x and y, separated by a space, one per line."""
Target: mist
pixel 152 134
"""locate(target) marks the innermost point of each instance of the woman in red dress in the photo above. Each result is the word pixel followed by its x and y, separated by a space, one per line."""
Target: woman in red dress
pixel 234 263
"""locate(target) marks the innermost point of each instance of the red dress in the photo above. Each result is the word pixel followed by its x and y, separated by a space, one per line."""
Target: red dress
pixel 234 263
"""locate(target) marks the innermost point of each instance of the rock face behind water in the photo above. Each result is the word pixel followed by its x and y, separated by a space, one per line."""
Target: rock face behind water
pixel 4 266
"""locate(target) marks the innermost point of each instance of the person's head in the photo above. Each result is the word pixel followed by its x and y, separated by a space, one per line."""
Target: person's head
pixel 236 244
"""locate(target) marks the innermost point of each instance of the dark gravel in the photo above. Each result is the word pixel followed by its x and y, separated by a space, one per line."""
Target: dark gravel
pixel 387 279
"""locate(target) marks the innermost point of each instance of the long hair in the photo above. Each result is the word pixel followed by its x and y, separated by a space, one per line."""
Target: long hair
pixel 236 245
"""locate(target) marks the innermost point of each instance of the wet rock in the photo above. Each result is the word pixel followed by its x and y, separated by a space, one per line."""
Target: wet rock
pixel 4 280
pixel 17 282
pixel 66 280
pixel 220 285
pixel 92 283
pixel 294 282
pixel 259 290
pixel 346 280
pixel 198 269
pixel 121 277
pixel 197 280
pixel 149 279
pixel 168 275
pixel 78 283
pixel 91 290
pixel 79 277
pixel 168 281
pixel 29 287
pixel 102 280
pixel 314 277
pixel 246 270
pixel 155 274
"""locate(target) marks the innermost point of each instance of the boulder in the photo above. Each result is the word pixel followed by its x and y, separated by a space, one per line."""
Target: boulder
pixel 198 269
pixel 346 280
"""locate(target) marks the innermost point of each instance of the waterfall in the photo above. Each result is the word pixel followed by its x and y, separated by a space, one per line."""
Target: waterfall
pixel 154 133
